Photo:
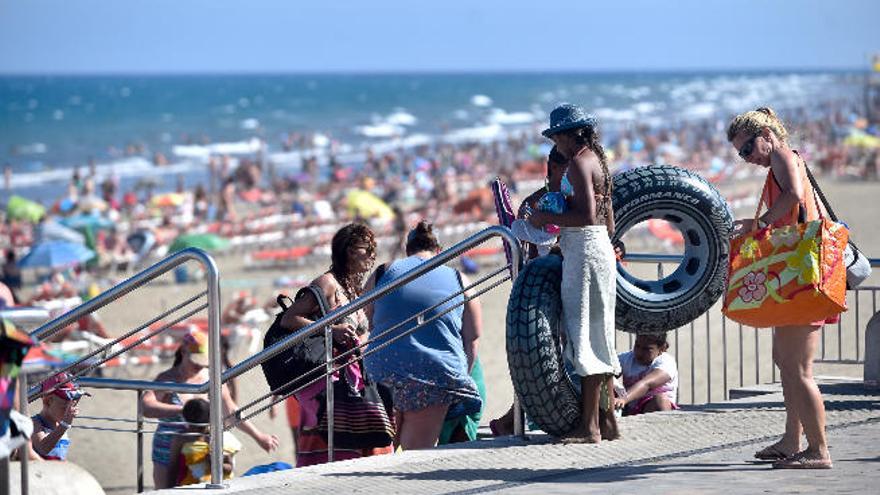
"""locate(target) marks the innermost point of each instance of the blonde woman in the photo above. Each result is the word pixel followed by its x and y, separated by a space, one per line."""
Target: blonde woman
pixel 760 138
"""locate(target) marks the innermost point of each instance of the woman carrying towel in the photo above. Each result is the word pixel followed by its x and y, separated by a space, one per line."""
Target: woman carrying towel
pixel 588 267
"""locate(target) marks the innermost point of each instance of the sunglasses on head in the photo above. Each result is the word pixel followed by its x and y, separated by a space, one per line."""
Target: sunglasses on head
pixel 748 148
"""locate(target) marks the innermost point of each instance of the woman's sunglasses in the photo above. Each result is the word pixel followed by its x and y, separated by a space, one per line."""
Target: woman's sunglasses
pixel 748 148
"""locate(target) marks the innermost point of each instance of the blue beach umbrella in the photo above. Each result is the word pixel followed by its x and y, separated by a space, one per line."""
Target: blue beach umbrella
pixel 56 254
pixel 87 220
pixel 51 230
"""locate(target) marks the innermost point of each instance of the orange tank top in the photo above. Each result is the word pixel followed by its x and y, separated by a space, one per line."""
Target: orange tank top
pixel 807 209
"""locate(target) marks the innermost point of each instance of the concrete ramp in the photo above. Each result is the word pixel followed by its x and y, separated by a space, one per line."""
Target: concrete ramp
pixel 709 447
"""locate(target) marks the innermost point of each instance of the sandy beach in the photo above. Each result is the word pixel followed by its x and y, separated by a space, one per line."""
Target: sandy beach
pixel 111 456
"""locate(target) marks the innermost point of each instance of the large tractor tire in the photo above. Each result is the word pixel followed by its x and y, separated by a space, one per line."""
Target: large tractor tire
pixel 534 312
pixel 693 206
pixel 534 353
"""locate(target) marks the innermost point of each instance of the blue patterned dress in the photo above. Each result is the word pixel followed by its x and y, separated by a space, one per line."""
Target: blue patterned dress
pixel 429 366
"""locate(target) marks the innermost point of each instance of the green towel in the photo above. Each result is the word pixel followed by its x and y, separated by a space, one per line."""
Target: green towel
pixel 471 422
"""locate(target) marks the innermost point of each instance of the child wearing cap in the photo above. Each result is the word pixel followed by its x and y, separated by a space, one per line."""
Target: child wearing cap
pixel 60 398
pixel 190 452
pixel 190 366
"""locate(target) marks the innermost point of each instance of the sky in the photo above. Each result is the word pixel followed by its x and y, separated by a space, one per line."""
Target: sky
pixel 281 36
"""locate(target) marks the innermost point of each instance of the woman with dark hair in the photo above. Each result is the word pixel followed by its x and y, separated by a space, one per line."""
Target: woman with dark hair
pixel 352 254
pixel 588 267
pixel 428 371
pixel 190 366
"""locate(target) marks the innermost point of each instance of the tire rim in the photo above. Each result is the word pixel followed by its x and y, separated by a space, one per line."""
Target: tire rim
pixel 686 278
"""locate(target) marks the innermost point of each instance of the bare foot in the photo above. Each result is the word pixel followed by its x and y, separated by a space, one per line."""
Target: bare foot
pixel 608 425
pixel 581 435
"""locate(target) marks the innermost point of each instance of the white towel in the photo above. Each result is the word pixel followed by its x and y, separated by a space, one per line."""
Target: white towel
pixel 589 292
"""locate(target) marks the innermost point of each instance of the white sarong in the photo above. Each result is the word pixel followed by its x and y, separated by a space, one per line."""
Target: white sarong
pixel 589 292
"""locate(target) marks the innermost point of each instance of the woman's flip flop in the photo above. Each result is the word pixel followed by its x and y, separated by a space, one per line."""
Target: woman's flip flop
pixel 771 453
pixel 802 460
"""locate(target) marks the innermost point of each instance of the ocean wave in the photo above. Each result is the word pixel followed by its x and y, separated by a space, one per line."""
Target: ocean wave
pixel 204 151
pixel 474 134
pixel 481 101
pixel 501 117
pixel 381 130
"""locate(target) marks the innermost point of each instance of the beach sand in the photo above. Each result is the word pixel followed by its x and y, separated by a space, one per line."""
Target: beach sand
pixel 111 456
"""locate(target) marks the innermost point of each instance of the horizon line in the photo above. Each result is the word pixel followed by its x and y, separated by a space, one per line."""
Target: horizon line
pixel 435 72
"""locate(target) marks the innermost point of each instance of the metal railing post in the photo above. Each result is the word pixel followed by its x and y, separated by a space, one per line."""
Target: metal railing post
pixel 331 419
pixel 724 350
pixel 24 449
pixel 5 479
pixel 693 368
pixel 757 356
pixel 215 370
pixel 516 263
pixel 140 441
pixel 708 359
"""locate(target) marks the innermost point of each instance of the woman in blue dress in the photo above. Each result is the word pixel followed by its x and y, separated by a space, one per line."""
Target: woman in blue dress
pixel 428 370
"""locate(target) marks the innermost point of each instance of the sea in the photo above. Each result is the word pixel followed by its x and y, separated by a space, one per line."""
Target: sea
pixel 51 126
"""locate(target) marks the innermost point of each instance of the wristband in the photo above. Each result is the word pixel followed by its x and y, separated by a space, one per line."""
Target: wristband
pixel 64 425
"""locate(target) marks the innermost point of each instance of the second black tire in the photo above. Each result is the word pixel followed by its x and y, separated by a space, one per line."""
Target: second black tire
pixel 695 208
pixel 534 354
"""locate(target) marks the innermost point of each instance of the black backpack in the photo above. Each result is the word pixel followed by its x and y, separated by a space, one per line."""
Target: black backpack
pixel 294 367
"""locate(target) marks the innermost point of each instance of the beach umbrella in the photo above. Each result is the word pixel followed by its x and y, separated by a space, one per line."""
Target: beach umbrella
pixel 56 254
pixel 87 221
pixel 19 208
pixel 365 204
pixel 51 230
pixel 208 242
pixel 167 199
pixel 862 140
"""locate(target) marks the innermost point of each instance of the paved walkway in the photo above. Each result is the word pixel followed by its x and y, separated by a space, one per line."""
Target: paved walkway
pixel 702 450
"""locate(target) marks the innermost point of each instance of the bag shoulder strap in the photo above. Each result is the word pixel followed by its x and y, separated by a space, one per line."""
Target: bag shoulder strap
pixel 763 200
pixel 281 301
pixel 318 293
pixel 818 192
pixel 827 205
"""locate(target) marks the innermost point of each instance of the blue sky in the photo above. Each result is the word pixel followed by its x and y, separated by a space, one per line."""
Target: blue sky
pixel 271 36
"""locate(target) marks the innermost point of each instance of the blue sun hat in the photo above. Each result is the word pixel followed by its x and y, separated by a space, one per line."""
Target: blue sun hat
pixel 568 116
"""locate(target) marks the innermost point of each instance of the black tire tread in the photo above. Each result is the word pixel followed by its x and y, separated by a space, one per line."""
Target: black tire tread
pixel 533 332
pixel 634 191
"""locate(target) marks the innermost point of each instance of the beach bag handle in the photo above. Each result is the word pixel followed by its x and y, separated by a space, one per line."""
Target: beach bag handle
pixel 858 267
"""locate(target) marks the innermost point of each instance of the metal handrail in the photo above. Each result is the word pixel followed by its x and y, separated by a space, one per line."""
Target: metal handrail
pixel 360 349
pixel 377 293
pixel 214 383
pixel 677 258
pixel 337 314
pixel 216 377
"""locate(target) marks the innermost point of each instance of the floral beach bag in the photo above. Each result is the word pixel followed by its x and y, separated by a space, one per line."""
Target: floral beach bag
pixel 791 275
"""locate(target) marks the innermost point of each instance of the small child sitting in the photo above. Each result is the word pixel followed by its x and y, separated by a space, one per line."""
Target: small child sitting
pixel 190 451
pixel 650 377
pixel 61 397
